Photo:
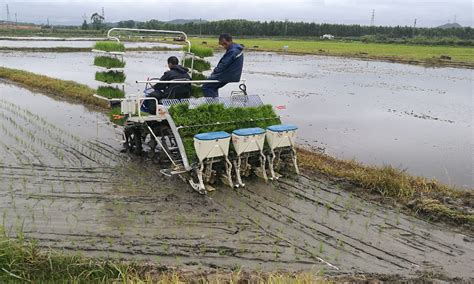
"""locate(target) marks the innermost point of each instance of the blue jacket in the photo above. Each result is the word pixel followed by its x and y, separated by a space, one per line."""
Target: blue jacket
pixel 229 68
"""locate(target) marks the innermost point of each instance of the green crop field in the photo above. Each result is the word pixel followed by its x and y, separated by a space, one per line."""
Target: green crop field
pixel 397 52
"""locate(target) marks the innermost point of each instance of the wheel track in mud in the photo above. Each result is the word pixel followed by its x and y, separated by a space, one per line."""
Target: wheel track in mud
pixel 324 233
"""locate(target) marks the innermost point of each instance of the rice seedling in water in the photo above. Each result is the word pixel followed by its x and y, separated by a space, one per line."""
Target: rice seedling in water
pixel 108 62
pixel 109 46
pixel 110 76
pixel 110 92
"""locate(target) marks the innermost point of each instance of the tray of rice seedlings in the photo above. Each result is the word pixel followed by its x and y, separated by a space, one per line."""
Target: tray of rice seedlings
pixel 110 77
pixel 199 65
pixel 215 117
pixel 109 46
pixel 116 116
pixel 108 62
pixel 201 51
pixel 110 92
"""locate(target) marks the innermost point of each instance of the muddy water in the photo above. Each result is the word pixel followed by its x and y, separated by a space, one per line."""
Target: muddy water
pixel 412 117
pixel 75 44
pixel 64 182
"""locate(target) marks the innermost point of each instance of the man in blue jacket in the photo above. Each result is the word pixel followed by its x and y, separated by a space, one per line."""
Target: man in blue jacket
pixel 229 68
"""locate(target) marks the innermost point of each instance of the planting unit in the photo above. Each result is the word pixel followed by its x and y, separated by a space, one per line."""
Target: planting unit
pixel 191 138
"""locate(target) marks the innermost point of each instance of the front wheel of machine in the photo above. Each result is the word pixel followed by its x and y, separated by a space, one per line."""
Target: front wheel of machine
pixel 133 141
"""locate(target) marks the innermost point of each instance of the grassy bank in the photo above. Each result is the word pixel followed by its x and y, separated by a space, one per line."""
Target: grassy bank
pixel 403 53
pixel 425 198
pixel 23 261
pixel 63 89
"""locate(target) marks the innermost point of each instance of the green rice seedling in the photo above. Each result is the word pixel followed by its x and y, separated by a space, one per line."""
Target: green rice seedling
pixel 198 76
pixel 198 64
pixel 110 76
pixel 200 50
pixel 196 92
pixel 108 62
pixel 109 46
pixel 110 92
pixel 116 116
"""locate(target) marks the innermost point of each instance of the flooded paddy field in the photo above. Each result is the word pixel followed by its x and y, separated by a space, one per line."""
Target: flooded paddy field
pixel 411 117
pixel 64 182
pixel 39 43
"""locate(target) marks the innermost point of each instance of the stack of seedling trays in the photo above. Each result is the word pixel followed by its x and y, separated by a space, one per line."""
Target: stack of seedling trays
pixel 196 59
pixel 109 57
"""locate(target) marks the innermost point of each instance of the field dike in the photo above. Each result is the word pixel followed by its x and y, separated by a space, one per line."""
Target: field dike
pixel 73 192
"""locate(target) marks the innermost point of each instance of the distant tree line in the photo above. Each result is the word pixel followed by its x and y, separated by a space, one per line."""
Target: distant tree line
pixel 297 29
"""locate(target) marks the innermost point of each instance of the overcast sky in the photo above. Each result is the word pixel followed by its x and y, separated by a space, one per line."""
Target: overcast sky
pixel 387 12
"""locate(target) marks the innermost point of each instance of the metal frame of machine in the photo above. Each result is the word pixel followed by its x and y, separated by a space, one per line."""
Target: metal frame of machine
pixel 159 130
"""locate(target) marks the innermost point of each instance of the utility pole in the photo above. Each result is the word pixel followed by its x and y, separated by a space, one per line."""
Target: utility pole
pixel 8 14
pixel 372 19
pixel 103 13
pixel 286 26
pixel 414 24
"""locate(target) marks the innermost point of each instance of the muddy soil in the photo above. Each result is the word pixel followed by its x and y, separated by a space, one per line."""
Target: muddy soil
pixel 64 182
pixel 411 117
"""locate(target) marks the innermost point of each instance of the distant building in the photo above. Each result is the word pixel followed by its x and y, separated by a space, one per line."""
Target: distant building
pixel 327 36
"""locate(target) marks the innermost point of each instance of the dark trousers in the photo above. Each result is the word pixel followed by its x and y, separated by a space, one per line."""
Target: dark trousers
pixel 211 90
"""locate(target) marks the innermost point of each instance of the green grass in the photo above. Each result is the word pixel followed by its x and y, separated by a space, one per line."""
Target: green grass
pixel 53 87
pixel 110 76
pixel 108 62
pixel 110 92
pixel 22 261
pixel 200 50
pixel 395 52
pixel 109 46
pixel 199 64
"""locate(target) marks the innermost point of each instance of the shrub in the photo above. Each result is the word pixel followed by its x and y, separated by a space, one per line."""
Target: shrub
pixel 110 77
pixel 109 46
pixel 110 92
pixel 108 62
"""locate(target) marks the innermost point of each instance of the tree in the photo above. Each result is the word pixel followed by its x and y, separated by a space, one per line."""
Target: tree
pixel 97 20
pixel 84 26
